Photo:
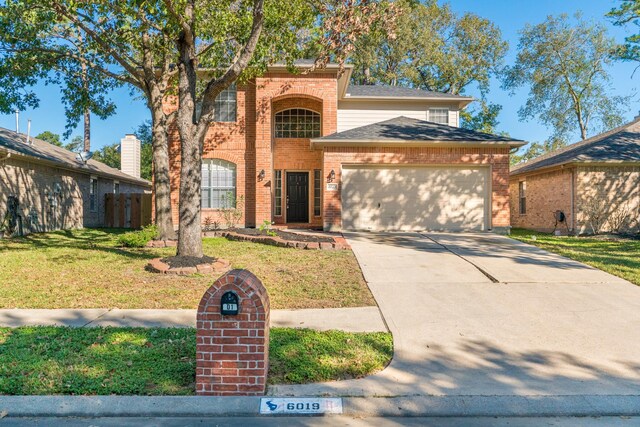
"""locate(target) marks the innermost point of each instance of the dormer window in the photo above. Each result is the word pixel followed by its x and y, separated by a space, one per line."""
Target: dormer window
pixel 439 115
pixel 297 123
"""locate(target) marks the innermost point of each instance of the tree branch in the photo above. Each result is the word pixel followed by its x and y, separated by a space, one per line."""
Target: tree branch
pixel 130 67
pixel 241 61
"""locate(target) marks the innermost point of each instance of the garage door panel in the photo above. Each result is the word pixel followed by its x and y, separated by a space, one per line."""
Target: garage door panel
pixel 409 199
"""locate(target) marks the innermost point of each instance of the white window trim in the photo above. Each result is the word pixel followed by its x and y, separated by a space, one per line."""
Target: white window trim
pixel 92 179
pixel 429 111
pixel 207 186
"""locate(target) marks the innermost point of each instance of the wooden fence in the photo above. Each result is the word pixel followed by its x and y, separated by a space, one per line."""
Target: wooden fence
pixel 131 210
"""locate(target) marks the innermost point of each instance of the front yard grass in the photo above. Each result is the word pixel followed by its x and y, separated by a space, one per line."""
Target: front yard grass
pixel 140 361
pixel 620 257
pixel 86 269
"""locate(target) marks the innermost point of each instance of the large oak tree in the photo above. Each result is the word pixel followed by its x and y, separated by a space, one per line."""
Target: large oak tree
pixel 435 49
pixel 90 47
pixel 564 63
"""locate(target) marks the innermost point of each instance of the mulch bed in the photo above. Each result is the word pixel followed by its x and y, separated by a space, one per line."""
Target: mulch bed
pixel 187 261
pixel 285 239
pixel 284 235
pixel 610 237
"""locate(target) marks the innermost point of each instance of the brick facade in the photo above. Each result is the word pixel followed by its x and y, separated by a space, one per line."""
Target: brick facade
pixel 573 190
pixel 53 198
pixel 545 193
pixel 232 351
pixel 250 144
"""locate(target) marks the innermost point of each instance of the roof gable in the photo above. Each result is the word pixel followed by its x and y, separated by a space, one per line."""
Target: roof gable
pixel 42 150
pixel 618 145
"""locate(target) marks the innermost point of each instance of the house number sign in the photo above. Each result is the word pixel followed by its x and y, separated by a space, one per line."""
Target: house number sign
pixel 301 405
pixel 229 304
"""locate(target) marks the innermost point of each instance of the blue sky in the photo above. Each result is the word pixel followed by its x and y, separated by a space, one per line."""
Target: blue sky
pixel 509 15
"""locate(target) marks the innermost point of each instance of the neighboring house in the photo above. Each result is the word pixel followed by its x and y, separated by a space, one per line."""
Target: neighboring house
pixel 53 189
pixel 595 183
pixel 311 150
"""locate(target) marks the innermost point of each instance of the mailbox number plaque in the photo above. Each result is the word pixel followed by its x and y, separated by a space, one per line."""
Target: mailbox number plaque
pixel 229 304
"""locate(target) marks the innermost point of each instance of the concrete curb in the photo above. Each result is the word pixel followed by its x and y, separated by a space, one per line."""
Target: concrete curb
pixel 412 406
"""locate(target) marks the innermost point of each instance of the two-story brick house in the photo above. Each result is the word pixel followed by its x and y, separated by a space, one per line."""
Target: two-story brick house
pixel 312 150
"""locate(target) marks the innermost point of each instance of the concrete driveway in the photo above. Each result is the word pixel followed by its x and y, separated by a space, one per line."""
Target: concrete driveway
pixel 482 314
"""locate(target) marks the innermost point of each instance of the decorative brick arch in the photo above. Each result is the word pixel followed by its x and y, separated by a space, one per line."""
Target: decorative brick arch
pixel 223 155
pixel 294 92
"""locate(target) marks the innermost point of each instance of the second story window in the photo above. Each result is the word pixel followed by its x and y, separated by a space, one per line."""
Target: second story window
pixel 297 123
pixel 226 105
pixel 439 115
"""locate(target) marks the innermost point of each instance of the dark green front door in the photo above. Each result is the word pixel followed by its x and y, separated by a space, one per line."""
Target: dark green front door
pixel 297 196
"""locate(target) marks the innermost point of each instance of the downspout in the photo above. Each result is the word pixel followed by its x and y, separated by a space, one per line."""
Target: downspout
pixel 573 200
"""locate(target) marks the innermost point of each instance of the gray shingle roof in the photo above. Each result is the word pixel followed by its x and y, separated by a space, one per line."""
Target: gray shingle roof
pixel 621 144
pixel 15 142
pixel 405 129
pixel 383 91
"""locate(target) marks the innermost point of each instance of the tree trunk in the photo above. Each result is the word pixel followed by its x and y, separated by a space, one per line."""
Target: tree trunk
pixel 161 178
pixel 189 227
pixel 87 130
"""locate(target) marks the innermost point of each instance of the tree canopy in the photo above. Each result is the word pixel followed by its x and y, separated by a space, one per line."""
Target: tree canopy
pixel 435 49
pixel 564 64
pixel 53 138
pixel 628 13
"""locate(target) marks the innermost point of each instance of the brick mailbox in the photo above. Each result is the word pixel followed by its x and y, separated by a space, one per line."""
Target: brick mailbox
pixel 232 348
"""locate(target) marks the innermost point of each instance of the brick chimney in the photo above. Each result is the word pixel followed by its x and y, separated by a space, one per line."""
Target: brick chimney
pixel 130 155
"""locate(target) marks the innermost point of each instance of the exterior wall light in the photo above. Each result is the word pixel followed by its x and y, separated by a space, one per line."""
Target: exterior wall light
pixel 261 175
pixel 332 175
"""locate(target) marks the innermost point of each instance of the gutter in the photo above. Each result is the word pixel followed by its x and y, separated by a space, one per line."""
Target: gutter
pixel 558 166
pixel 573 200
pixel 316 143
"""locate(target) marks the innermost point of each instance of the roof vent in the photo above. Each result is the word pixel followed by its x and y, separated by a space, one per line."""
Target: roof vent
pixel 28 132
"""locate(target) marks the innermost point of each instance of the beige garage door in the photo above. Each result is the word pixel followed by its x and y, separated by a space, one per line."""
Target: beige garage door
pixel 414 198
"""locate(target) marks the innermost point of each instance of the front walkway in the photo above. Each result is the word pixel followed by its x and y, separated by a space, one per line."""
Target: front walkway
pixel 481 314
pixel 356 319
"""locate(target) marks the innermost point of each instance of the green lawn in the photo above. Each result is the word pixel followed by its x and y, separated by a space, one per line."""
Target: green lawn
pixel 139 361
pixel 86 269
pixel 620 257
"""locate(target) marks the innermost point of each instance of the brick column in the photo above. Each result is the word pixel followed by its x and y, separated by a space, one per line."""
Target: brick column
pixel 232 351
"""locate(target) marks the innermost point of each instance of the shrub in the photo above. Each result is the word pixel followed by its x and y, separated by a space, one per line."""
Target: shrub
pixel 620 217
pixel 595 210
pixel 140 238
pixel 232 209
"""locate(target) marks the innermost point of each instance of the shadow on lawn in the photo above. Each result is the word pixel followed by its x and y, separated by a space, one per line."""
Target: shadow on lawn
pixel 104 361
pixel 97 239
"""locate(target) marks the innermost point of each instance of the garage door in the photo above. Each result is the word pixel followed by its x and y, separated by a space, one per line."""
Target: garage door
pixel 414 198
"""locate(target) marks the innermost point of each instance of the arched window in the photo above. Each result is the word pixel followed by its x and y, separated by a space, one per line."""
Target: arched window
pixel 297 123
pixel 218 184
